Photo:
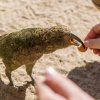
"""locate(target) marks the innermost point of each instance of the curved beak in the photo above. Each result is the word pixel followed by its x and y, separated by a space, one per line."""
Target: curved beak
pixel 76 40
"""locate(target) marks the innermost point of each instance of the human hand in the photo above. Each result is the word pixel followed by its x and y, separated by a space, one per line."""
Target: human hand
pixel 56 87
pixel 92 40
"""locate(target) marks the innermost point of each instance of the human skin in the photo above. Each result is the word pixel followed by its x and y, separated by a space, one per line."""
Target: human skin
pixel 53 86
pixel 92 40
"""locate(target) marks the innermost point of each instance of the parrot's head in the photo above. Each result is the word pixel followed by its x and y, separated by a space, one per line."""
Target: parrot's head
pixel 59 37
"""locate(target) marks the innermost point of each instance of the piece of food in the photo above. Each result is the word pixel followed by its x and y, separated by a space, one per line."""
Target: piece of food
pixel 81 48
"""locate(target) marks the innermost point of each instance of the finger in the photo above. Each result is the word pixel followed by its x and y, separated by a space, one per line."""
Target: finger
pixel 98 54
pixel 96 29
pixel 65 87
pixel 93 43
pixel 96 51
pixel 90 35
pixel 93 32
pixel 46 93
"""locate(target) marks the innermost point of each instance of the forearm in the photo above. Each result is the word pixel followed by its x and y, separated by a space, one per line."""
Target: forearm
pixel 96 3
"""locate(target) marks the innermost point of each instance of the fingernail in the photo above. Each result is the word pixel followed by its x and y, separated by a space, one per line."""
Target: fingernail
pixel 50 71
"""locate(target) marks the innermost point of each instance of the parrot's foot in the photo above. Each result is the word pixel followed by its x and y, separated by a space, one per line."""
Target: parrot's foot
pixel 22 88
pixel 11 83
pixel 31 82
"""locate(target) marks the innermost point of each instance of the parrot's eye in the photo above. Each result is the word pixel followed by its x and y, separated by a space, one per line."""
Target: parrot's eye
pixel 72 40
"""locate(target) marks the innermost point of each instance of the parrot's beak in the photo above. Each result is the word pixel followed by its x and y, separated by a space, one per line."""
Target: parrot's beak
pixel 77 42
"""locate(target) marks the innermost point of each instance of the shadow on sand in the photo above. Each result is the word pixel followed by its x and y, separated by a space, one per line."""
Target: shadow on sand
pixel 10 93
pixel 88 78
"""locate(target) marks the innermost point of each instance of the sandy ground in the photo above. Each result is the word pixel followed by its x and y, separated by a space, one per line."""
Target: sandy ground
pixel 80 16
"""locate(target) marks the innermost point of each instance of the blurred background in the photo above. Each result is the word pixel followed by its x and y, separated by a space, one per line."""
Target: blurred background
pixel 80 16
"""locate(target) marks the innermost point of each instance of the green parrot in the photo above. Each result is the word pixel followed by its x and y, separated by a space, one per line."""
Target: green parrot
pixel 26 46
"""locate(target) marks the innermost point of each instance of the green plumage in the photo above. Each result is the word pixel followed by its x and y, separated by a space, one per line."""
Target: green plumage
pixel 28 45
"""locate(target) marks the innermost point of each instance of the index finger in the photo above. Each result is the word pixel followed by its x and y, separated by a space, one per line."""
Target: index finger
pixel 44 92
pixel 94 32
pixel 65 87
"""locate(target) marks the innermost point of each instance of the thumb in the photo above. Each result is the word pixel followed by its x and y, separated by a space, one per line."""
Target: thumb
pixel 93 43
